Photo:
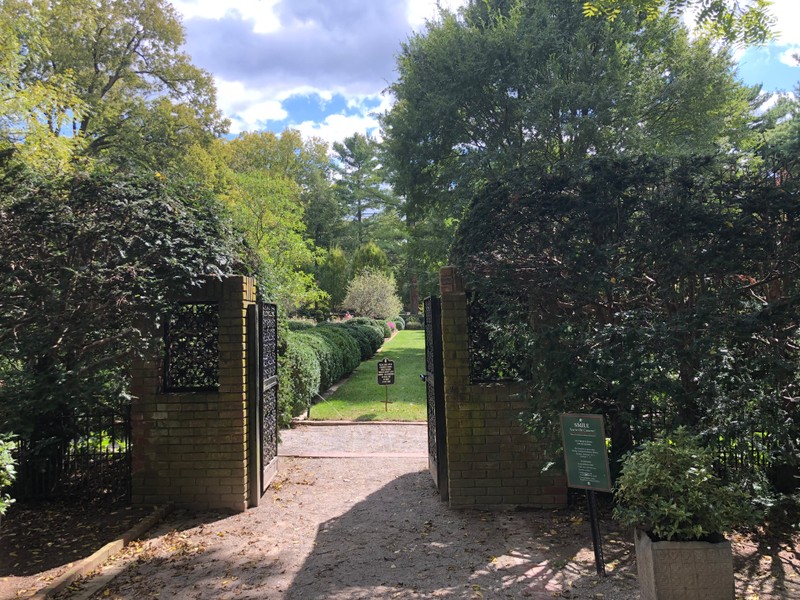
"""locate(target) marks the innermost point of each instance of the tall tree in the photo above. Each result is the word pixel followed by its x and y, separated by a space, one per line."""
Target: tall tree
pixel 333 276
pixel 305 162
pixel 529 83
pixel 361 186
pixel 123 82
pixel 266 198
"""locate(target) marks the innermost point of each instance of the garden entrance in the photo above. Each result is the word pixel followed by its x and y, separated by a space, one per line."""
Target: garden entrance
pixel 204 412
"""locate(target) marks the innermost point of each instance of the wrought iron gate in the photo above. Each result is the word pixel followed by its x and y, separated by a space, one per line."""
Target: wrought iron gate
pixel 434 380
pixel 262 359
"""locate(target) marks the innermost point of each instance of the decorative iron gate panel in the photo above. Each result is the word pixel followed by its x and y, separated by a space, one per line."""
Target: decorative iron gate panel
pixel 434 382
pixel 262 358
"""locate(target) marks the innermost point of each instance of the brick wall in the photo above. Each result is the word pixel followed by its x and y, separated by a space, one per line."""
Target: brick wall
pixel 190 448
pixel 492 462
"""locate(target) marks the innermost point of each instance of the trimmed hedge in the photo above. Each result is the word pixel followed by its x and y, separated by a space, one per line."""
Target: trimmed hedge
pixel 349 346
pixel 379 326
pixel 329 355
pixel 414 326
pixel 373 334
pixel 314 358
pixel 399 322
pixel 298 376
pixel 300 325
pixel 387 332
pixel 360 335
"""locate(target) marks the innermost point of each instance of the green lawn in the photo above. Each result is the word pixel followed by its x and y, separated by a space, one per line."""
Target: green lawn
pixel 362 399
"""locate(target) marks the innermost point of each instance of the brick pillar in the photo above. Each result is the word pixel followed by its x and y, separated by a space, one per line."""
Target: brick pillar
pixel 492 462
pixel 190 448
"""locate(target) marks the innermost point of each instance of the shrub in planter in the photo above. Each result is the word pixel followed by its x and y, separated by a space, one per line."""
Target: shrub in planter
pixel 669 488
pixel 299 375
pixel 670 494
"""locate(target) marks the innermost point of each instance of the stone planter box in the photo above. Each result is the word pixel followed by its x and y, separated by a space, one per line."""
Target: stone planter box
pixel 684 570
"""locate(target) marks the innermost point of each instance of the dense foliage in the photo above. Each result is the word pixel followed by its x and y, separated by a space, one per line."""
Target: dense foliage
pixel 88 259
pixel 7 472
pixel 373 294
pixel 668 488
pixel 299 378
pixel 658 292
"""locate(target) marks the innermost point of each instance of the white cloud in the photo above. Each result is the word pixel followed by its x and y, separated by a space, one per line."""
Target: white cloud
pixel 337 127
pixel 787 14
pixel 788 57
pixel 259 11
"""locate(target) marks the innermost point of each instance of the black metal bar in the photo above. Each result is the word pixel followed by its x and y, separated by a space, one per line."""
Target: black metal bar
pixel 596 541
pixel 253 399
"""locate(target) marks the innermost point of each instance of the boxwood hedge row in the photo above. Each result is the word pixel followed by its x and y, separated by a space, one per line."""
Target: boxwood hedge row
pixel 317 357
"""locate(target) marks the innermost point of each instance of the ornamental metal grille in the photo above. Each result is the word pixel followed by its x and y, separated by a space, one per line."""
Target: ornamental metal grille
pixel 492 356
pixel 269 329
pixel 269 374
pixel 429 382
pixel 192 348
pixel 269 425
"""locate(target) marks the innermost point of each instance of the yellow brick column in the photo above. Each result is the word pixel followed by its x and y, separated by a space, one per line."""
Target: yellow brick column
pixel 190 448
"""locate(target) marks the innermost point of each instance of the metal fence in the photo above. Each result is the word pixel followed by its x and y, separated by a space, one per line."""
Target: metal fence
pixel 92 461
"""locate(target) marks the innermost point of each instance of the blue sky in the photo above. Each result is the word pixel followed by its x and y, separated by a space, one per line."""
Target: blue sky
pixel 320 66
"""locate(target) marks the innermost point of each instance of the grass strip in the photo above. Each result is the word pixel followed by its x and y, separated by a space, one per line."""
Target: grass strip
pixel 360 398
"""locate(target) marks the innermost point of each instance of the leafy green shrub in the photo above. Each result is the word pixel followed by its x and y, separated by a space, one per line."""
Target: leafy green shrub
pixel 350 350
pixel 386 330
pixel 299 376
pixel 359 333
pixel 373 294
pixel 376 330
pixel 301 324
pixel 668 488
pixel 329 357
pixel 7 473
pixel 375 336
pixel 399 322
pixel 414 323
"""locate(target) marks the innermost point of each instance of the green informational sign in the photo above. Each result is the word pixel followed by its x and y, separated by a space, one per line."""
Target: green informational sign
pixel 585 453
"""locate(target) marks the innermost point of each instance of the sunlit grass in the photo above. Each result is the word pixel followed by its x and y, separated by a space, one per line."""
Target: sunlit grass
pixel 362 399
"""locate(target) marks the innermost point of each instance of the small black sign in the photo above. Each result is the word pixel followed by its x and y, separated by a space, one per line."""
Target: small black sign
pixel 386 372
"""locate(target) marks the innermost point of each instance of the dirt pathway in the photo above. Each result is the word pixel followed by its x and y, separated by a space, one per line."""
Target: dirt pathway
pixel 372 528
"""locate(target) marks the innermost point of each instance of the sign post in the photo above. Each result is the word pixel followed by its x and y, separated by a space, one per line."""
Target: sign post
pixel 386 377
pixel 586 462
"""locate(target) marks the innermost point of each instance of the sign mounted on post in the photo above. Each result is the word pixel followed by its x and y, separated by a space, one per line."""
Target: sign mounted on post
pixel 586 463
pixel 585 456
pixel 386 377
pixel 386 372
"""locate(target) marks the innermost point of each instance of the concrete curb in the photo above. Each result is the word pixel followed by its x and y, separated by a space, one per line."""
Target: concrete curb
pixel 90 563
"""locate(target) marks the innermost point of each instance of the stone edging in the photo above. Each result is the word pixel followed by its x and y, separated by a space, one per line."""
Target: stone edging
pixel 90 563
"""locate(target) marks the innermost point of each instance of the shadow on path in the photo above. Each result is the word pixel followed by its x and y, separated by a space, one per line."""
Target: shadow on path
pixel 402 542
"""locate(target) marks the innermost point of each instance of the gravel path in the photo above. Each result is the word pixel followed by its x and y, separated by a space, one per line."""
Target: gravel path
pixel 373 527
pixel 366 527
pixel 367 439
